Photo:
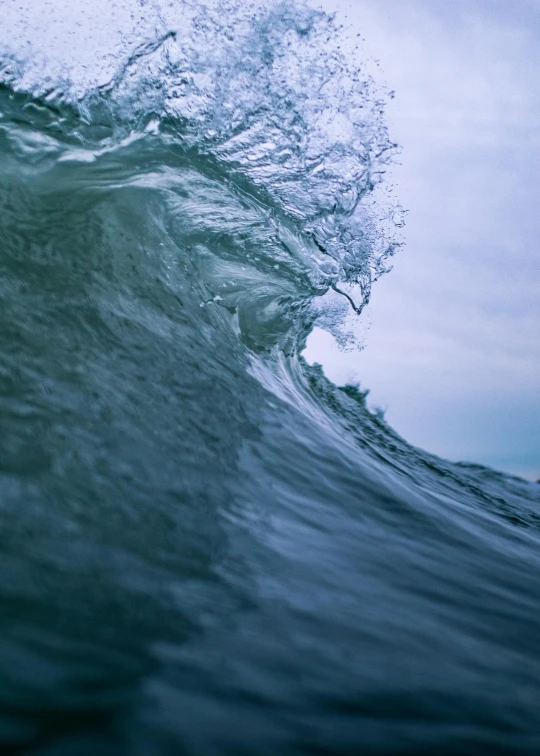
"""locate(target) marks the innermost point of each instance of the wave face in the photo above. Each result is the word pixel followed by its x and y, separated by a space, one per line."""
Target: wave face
pixel 205 546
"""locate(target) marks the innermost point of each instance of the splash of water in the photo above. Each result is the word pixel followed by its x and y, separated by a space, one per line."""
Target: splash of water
pixel 205 546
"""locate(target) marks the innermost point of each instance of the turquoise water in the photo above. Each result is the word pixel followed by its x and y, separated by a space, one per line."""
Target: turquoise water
pixel 205 546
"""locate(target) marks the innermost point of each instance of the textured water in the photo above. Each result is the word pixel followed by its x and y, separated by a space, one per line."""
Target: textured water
pixel 205 546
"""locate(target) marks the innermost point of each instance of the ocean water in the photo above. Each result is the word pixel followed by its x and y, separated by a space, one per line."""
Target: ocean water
pixel 205 546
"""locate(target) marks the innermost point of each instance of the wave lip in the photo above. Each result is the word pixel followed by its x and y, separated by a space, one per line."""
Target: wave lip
pixel 268 92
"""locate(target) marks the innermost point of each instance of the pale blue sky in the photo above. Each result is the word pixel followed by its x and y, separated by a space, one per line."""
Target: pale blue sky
pixel 453 351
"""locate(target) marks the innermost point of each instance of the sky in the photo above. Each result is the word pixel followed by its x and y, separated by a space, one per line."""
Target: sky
pixel 452 352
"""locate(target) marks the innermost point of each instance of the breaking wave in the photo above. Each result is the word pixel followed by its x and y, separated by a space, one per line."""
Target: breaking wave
pixel 206 547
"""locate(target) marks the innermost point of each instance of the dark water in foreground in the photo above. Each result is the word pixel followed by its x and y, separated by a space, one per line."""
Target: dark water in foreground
pixel 206 547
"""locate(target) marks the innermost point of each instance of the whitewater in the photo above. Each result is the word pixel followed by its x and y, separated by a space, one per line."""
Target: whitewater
pixel 206 547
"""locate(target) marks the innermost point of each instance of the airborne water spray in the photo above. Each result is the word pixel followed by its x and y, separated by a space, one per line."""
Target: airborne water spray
pixel 205 546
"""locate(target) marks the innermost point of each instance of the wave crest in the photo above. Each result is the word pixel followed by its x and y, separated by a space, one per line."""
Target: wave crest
pixel 271 94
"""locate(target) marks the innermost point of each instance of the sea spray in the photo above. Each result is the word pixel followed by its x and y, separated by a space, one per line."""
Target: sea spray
pixel 205 546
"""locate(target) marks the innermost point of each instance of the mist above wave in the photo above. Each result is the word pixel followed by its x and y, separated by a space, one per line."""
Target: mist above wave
pixel 272 93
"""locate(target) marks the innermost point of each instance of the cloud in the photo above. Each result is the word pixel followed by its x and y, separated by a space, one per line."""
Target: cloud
pixel 454 349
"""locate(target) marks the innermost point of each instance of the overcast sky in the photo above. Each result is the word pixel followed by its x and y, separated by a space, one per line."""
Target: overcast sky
pixel 453 351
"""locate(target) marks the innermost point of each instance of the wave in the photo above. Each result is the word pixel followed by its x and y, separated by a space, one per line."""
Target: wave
pixel 271 97
pixel 207 547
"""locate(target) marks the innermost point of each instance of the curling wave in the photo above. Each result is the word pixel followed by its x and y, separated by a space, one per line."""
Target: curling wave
pixel 206 547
